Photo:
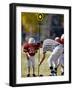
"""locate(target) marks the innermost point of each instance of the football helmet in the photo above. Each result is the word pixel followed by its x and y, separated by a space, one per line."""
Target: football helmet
pixel 57 39
pixel 31 40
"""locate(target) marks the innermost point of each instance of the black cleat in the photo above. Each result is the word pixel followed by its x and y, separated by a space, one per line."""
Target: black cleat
pixel 34 75
pixel 50 75
pixel 51 68
pixel 55 69
pixel 28 75
pixel 41 75
pixel 54 73
pixel 62 73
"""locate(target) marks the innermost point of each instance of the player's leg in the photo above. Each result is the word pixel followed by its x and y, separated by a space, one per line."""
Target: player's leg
pixel 34 71
pixel 56 54
pixel 54 70
pixel 33 65
pixel 61 63
pixel 52 61
pixel 29 65
pixel 56 64
pixel 52 65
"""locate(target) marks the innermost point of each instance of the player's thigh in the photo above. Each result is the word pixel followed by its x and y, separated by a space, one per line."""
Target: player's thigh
pixel 50 60
pixel 61 60
pixel 33 61
pixel 29 62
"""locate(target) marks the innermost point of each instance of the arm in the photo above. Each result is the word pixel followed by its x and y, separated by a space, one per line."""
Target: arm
pixel 25 50
pixel 42 59
pixel 25 47
pixel 27 56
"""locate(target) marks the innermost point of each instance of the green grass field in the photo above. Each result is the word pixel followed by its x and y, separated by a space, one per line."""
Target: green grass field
pixel 44 70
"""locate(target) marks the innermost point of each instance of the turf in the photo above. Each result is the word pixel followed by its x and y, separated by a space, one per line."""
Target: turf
pixel 43 70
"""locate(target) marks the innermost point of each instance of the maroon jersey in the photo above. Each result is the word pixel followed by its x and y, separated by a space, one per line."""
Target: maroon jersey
pixel 62 41
pixel 31 48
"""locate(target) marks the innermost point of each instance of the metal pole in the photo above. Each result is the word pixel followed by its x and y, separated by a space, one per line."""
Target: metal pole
pixel 39 51
pixel 40 18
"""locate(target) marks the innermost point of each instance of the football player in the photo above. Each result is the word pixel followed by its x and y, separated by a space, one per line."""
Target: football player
pixel 61 58
pixel 56 47
pixel 30 49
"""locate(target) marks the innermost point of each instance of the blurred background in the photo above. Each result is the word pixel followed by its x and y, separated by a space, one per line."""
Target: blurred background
pixel 41 26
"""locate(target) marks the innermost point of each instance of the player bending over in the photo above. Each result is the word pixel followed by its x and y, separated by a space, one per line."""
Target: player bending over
pixel 30 49
pixel 61 58
pixel 57 49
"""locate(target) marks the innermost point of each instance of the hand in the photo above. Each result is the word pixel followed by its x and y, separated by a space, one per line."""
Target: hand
pixel 39 64
pixel 27 56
